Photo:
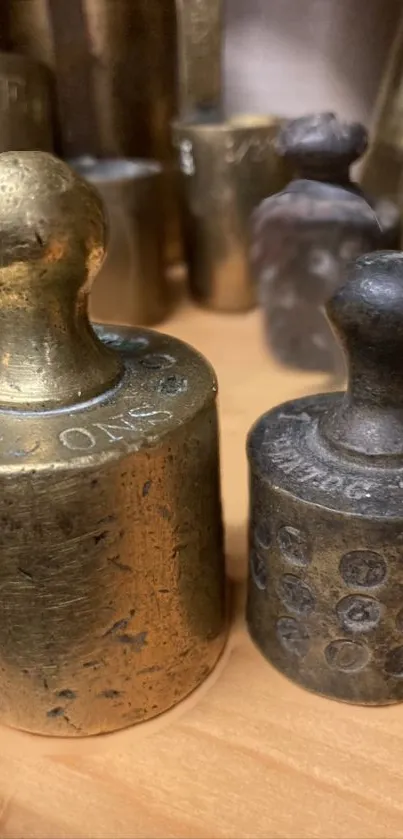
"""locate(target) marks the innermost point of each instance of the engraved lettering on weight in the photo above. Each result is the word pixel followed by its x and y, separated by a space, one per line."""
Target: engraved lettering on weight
pixel 77 439
pixel 332 483
pixel 359 489
pixel 115 429
pixel 310 475
pixel 118 423
pixel 282 454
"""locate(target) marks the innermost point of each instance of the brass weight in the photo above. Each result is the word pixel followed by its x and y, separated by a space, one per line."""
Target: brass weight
pixel 132 286
pixel 26 118
pixel 112 571
pixel 227 166
pixel 227 169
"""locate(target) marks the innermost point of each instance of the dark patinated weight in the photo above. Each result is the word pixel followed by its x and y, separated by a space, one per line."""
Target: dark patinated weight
pixel 325 590
pixel 304 236
pixel 111 543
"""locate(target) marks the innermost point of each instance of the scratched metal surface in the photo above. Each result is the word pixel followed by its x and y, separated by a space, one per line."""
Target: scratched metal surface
pixel 112 569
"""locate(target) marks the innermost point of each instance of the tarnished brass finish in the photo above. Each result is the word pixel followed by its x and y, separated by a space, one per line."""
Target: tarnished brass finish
pixel 131 286
pixel 227 169
pixel 26 120
pixel 199 24
pixel 114 63
pixel 325 593
pixel 112 571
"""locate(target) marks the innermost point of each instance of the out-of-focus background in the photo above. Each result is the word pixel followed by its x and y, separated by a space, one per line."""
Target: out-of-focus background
pixel 141 79
pixel 300 55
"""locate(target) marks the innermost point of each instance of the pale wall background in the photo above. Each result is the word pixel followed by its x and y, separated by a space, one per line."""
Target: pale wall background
pixel 291 56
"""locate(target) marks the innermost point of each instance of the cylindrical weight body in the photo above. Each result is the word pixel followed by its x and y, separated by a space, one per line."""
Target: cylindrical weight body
pixel 114 65
pixel 115 611
pixel 226 169
pixel 325 593
pixel 112 589
pixel 131 286
pixel 26 120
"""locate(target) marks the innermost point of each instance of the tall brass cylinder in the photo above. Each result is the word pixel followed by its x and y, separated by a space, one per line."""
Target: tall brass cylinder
pixel 131 286
pixel 383 165
pixel 114 63
pixel 199 26
pixel 111 543
pixel 26 119
pixel 227 169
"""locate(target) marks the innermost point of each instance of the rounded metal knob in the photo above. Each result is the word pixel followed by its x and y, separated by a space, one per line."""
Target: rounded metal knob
pixel 367 317
pixel 52 241
pixel 321 141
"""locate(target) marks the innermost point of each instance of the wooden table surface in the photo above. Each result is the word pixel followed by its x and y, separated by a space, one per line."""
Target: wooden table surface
pixel 249 754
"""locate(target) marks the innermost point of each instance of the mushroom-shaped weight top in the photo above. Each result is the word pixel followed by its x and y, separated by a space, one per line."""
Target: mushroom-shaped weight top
pixel 367 317
pixel 52 240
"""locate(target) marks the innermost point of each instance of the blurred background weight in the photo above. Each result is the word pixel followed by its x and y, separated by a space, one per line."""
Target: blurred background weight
pixel 119 76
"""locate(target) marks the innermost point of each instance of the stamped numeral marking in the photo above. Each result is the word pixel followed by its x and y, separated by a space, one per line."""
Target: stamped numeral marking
pixel 296 595
pixel 293 636
pixel 365 569
pixel 359 613
pixel 347 656
pixel 294 545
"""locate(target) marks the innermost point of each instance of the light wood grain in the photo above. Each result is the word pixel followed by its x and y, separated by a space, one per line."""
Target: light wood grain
pixel 248 755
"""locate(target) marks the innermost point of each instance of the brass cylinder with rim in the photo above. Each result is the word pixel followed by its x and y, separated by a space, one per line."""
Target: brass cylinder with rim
pixel 227 169
pixel 131 286
pixel 112 590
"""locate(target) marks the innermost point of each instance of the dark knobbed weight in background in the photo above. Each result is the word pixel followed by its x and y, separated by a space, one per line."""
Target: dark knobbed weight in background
pixel 303 238
pixel 111 543
pixel 325 591
pixel 131 286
